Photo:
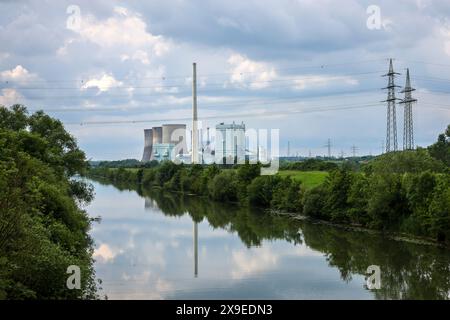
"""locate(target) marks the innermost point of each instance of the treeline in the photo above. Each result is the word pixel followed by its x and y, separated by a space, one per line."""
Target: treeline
pixel 127 163
pixel 43 231
pixel 309 165
pixel 405 191
pixel 243 184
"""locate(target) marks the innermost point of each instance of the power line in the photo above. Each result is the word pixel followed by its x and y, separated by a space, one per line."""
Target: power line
pixel 261 114
pixel 166 77
pixel 221 84
pixel 238 103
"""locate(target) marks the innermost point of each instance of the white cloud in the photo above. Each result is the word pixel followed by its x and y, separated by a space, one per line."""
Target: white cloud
pixel 445 33
pixel 19 73
pixel 9 97
pixel 308 81
pixel 139 55
pixel 62 51
pixel 250 262
pixel 246 72
pixel 103 83
pixel 126 30
pixel 105 253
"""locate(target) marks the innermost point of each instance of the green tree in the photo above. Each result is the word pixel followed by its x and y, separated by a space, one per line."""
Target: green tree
pixel 43 230
pixel 441 149
pixel 223 187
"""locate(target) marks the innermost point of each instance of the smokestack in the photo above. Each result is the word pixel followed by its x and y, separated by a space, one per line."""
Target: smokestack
pixel 194 115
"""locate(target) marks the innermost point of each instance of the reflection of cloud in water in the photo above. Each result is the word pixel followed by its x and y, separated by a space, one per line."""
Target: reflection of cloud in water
pixel 260 259
pixel 249 262
pixel 104 253
pixel 149 254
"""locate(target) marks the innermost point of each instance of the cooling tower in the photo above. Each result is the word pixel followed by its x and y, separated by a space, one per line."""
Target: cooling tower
pixel 148 145
pixel 157 135
pixel 175 134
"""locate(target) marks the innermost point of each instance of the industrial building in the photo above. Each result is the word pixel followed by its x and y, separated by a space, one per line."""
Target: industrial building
pixel 167 142
pixel 230 143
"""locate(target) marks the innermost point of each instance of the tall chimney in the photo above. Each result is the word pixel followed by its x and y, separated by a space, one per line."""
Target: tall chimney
pixel 194 115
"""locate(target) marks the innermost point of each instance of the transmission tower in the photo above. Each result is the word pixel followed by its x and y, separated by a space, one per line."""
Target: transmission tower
pixel 354 149
pixel 328 145
pixel 408 132
pixel 391 127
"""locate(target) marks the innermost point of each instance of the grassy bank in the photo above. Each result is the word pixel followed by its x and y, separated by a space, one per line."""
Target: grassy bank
pixel 309 179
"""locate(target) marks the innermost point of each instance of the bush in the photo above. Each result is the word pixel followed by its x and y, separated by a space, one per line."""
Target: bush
pixel 261 189
pixel 287 196
pixel 223 187
pixel 314 203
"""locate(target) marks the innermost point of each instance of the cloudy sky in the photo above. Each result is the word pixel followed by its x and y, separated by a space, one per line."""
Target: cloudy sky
pixel 109 69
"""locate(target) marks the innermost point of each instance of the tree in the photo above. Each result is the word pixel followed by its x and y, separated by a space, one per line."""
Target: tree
pixel 441 149
pixel 223 187
pixel 337 185
pixel 42 228
pixel 439 209
pixel 261 189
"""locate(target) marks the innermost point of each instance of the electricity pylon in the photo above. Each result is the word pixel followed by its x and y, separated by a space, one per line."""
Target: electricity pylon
pixel 408 130
pixel 391 126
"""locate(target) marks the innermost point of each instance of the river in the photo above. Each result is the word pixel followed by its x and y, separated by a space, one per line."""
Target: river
pixel 151 244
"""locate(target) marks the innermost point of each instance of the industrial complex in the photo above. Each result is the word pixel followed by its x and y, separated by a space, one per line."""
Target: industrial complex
pixel 168 142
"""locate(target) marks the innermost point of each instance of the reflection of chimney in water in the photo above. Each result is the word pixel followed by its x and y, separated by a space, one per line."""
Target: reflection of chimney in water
pixel 195 250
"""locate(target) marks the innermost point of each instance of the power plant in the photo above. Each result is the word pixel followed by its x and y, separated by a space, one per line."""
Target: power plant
pixel 230 143
pixel 167 142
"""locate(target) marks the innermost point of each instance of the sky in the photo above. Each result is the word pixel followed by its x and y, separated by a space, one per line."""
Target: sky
pixel 312 69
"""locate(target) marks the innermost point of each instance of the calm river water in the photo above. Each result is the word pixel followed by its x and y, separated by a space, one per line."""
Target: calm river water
pixel 157 245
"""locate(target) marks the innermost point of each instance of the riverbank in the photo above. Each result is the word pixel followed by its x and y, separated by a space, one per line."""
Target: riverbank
pixel 405 192
pixel 409 205
pixel 388 235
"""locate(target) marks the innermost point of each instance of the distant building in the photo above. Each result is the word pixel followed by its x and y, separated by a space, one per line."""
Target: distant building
pixel 230 143
pixel 165 143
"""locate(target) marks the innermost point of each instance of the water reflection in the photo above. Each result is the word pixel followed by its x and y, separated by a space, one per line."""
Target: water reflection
pixel 145 250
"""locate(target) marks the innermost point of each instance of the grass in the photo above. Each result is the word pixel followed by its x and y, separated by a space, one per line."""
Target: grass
pixel 309 179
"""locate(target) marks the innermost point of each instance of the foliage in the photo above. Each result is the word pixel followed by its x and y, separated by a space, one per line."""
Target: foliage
pixel 223 187
pixel 42 228
pixel 441 149
pixel 310 165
